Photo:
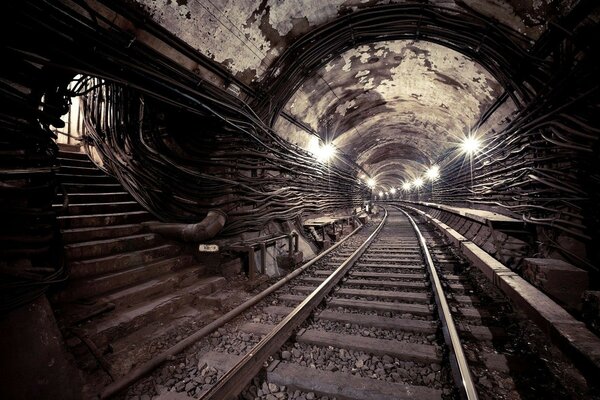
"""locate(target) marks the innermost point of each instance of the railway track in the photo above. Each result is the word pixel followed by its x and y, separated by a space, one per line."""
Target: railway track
pixel 379 316
pixel 384 303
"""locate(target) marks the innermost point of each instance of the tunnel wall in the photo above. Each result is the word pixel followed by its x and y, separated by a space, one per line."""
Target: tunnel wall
pixel 180 165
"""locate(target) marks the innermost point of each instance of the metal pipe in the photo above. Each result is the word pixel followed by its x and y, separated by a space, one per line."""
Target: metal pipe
pixel 146 368
pixel 206 229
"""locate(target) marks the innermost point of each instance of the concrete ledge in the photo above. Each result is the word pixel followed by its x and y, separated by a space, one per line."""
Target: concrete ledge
pixel 560 280
pixel 481 216
pixel 491 268
pixel 567 333
pixel 455 237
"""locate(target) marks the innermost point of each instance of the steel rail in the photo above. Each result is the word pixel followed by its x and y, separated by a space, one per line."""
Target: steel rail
pixel 234 381
pixel 177 348
pixel 460 366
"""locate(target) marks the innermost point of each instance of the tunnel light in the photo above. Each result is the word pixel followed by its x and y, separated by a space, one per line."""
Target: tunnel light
pixel 406 186
pixel 325 152
pixel 470 145
pixel 380 194
pixel 371 183
pixel 387 194
pixel 433 173
pixel 418 182
pixel 393 190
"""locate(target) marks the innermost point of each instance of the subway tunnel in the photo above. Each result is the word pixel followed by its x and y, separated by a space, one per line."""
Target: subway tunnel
pixel 165 162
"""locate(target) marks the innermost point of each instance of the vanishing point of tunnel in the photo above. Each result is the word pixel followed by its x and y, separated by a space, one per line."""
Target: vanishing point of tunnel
pixel 299 199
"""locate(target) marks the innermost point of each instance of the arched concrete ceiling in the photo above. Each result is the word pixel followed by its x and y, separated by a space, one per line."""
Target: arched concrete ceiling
pixel 246 36
pixel 395 107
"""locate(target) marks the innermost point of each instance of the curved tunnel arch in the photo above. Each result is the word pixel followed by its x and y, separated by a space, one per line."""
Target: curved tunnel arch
pixel 393 100
pixel 496 47
pixel 339 91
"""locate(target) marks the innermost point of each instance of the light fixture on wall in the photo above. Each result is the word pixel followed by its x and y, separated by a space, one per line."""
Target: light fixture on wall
pixel 433 173
pixel 325 153
pixel 470 146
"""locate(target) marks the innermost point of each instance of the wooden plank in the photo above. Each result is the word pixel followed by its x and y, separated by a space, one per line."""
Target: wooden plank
pixel 418 297
pixel 388 266
pixel 377 321
pixel 345 386
pixel 417 309
pixel 402 350
pixel 386 284
pixel 386 275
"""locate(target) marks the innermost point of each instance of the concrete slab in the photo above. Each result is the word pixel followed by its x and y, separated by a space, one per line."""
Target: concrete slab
pixel 480 216
pixel 412 325
pixel 487 264
pixel 419 309
pixel 560 280
pixel 172 396
pixel 401 350
pixel 345 386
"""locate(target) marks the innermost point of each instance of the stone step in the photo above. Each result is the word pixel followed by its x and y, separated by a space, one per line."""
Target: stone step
pixel 124 321
pixel 72 178
pixel 92 220
pixel 119 262
pixel 129 351
pixel 75 162
pixel 161 284
pixel 131 285
pixel 345 386
pixel 99 208
pixel 92 187
pixel 106 247
pixel 86 198
pixel 78 235
pixel 72 155
pixel 90 170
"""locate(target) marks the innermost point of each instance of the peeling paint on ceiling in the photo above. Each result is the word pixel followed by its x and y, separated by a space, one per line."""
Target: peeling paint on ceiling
pixel 246 36
pixel 395 107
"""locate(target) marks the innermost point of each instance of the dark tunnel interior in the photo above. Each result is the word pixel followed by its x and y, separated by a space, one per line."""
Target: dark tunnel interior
pixel 222 123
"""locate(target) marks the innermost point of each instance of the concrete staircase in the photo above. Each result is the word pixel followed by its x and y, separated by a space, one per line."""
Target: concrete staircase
pixel 122 279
